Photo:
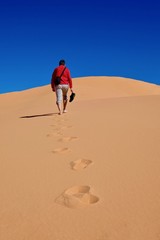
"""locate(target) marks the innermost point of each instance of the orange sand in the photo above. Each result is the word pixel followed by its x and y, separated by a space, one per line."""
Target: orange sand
pixel 90 174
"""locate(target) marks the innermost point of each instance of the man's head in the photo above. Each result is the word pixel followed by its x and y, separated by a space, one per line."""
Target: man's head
pixel 62 62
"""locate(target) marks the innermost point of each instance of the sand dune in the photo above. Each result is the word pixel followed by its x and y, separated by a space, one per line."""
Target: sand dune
pixel 92 173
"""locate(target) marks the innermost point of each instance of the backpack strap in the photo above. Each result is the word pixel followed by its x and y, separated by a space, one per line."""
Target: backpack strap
pixel 62 72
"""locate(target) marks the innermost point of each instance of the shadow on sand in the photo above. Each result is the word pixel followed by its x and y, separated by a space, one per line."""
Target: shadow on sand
pixel 39 115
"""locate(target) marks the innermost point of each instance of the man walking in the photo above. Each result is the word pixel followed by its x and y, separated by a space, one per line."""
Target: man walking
pixel 61 87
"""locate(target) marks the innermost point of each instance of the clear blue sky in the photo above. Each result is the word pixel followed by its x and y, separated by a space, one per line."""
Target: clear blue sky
pixel 96 38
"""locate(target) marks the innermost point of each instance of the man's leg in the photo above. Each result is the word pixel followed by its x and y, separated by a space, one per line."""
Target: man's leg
pixel 59 105
pixel 59 99
pixel 65 100
pixel 64 105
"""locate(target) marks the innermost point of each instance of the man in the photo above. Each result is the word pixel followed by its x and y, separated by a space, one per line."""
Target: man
pixel 61 89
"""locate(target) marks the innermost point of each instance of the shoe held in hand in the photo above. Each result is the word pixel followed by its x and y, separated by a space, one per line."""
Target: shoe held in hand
pixel 72 96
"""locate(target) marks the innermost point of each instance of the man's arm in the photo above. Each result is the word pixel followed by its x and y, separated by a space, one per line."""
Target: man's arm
pixel 70 80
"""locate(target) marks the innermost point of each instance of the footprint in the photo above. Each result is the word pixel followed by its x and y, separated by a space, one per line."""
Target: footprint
pixel 57 128
pixel 77 197
pixel 52 125
pixel 61 150
pixel 67 139
pixel 54 134
pixel 59 121
pixel 80 164
pixel 69 126
pixel 49 135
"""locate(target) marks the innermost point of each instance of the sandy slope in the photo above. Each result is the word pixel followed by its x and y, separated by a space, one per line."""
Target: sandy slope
pixel 92 173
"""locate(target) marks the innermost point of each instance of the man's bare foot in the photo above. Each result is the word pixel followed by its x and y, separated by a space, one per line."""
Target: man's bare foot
pixel 64 111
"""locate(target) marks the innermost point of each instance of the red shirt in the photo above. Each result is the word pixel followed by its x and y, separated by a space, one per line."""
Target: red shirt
pixel 65 79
